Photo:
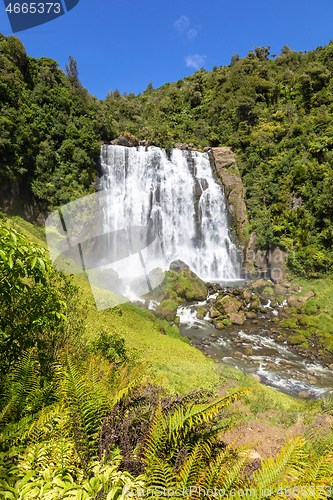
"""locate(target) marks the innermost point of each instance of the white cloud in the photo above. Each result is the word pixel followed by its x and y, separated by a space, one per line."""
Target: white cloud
pixel 183 26
pixel 192 33
pixel 196 61
pixel 182 23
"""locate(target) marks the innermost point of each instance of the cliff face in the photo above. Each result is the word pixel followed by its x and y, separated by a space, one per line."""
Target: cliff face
pixel 16 199
pixel 255 260
pixel 226 167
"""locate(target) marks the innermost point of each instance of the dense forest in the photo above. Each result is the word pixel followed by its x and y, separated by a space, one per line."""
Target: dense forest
pixel 276 112
pixel 83 413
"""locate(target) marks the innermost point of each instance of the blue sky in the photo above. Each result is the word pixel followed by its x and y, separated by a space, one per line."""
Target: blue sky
pixel 126 44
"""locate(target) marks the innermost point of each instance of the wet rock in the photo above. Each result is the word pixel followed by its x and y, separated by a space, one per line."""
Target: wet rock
pixel 228 305
pixel 259 284
pixel 248 351
pixel 297 340
pixel 122 141
pixel 292 301
pixel 250 315
pixel 226 166
pixel 268 292
pixel 279 290
pixel 167 309
pixel 277 263
pixel 247 295
pixel 238 354
pixel 306 297
pixel 255 304
pixel 189 286
pixel 201 313
pixel 304 394
pixel 236 319
pixel 215 287
pixel 256 377
pixel 219 325
pixel 214 313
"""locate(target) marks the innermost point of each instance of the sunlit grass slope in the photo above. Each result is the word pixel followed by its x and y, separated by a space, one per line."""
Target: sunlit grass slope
pixel 181 367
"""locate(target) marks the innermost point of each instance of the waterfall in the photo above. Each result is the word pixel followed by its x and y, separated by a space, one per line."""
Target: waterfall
pixel 178 198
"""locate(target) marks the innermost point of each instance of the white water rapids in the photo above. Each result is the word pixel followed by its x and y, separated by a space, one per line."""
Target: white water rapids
pixel 179 199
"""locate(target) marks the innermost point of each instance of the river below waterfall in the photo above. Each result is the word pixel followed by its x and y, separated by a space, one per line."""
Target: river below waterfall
pixel 252 349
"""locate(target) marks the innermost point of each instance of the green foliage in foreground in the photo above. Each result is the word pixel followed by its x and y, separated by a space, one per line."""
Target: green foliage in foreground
pixel 55 452
pixel 38 305
pixel 94 425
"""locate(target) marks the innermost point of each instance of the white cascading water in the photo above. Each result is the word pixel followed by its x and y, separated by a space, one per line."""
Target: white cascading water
pixel 178 197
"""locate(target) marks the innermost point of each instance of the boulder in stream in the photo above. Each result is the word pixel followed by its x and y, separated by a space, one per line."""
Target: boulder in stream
pixel 236 319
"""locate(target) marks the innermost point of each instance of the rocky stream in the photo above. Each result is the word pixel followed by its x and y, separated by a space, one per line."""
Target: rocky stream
pixel 257 326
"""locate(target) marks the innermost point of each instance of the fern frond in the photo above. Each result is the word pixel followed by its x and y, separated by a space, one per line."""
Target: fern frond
pixel 21 387
pixel 14 432
pixel 160 474
pixel 52 422
pixel 318 471
pixel 157 436
pixel 194 464
pixel 183 422
pixel 220 471
pixel 287 466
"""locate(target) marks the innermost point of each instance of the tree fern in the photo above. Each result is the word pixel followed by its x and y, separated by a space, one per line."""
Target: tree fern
pixel 194 465
pixel 85 399
pixel 223 471
pixel 287 466
pixel 170 433
pixel 21 392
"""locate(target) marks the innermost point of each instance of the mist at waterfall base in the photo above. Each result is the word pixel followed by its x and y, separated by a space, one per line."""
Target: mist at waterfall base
pixel 179 199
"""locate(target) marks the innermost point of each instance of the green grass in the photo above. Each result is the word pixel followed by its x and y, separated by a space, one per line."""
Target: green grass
pixel 323 290
pixel 318 311
pixel 33 232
